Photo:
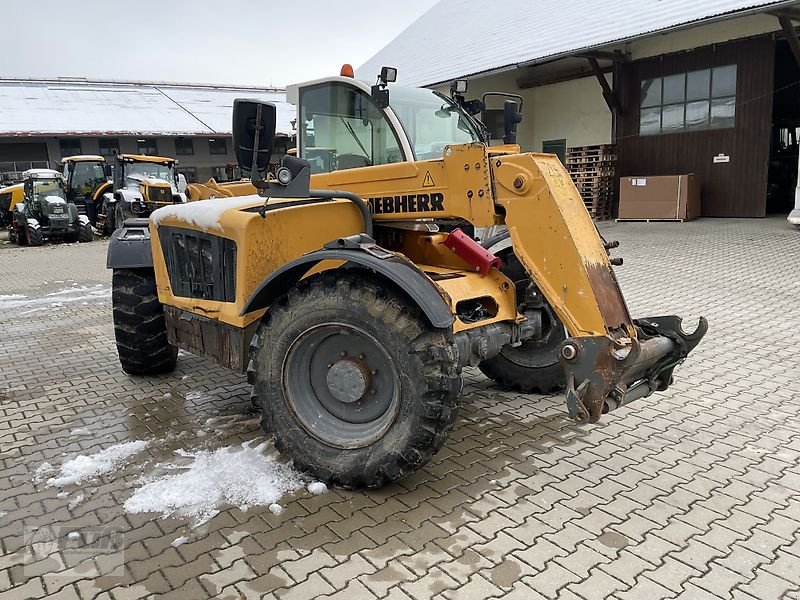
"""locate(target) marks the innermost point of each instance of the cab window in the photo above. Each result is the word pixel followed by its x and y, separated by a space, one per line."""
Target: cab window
pixel 87 176
pixel 343 129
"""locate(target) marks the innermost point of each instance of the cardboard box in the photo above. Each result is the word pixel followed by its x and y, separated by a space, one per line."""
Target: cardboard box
pixel 668 197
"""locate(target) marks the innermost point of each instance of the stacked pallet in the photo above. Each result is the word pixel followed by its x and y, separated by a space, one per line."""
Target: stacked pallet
pixel 593 169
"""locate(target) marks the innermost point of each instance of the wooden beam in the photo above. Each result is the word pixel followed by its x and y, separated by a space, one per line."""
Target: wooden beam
pixel 601 55
pixel 532 81
pixel 791 36
pixel 608 94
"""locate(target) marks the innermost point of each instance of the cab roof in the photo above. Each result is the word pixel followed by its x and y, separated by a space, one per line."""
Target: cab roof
pixel 41 174
pixel 145 158
pixel 83 158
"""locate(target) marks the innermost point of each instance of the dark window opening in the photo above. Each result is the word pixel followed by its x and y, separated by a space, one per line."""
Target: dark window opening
pixel 557 147
pixel 147 146
pixel 109 147
pixel 184 146
pixel 70 147
pixel 217 146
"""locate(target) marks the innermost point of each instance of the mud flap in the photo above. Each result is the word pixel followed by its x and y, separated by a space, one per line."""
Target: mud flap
pixel 604 374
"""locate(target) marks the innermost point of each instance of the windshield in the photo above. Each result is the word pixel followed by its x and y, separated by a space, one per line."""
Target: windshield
pixel 431 121
pixel 144 170
pixel 42 188
pixel 87 176
pixel 343 129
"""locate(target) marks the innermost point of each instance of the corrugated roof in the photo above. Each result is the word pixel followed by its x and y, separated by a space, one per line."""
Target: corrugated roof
pixel 125 108
pixel 457 38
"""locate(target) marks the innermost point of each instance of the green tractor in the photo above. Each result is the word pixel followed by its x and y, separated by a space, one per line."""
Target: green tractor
pixel 45 212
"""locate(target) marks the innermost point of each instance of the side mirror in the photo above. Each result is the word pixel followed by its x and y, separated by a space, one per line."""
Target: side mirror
pixel 107 170
pixel 511 118
pixel 253 134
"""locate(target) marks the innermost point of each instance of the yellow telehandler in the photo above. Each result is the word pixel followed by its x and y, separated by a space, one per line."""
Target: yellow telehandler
pixel 352 291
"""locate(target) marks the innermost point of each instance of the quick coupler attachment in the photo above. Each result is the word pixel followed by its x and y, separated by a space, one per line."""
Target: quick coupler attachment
pixel 604 373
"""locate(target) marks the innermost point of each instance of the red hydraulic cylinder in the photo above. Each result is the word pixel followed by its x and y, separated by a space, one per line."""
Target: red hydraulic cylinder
pixel 471 252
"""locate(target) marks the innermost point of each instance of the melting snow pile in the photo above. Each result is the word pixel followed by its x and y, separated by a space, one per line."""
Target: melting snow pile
pixel 242 476
pixel 56 299
pixel 204 214
pixel 83 467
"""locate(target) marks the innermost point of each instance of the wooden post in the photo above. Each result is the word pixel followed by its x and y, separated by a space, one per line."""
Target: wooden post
pixel 608 94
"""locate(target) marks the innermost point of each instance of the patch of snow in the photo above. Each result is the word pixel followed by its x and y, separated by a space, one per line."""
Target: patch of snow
pixel 204 214
pixel 275 508
pixel 62 495
pixel 55 299
pixel 179 541
pixel 80 431
pixel 240 476
pixel 2 514
pixel 317 488
pixel 84 467
pixel 75 501
pixel 42 471
pixel 73 536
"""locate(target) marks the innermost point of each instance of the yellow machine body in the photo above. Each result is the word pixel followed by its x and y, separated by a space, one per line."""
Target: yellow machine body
pixel 10 196
pixel 607 354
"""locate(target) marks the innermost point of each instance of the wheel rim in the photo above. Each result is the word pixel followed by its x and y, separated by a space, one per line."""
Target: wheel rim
pixel 341 385
pixel 542 351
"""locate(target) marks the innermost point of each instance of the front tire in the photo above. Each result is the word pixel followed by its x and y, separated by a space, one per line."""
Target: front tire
pixel 121 213
pixel 85 233
pixel 355 385
pixel 534 365
pixel 33 233
pixel 139 325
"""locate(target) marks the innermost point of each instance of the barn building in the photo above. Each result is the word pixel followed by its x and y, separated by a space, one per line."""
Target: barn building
pixel 42 121
pixel 680 87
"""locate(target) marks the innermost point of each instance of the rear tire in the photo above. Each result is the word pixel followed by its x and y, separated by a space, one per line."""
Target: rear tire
pixel 139 326
pixel 533 366
pixel 336 329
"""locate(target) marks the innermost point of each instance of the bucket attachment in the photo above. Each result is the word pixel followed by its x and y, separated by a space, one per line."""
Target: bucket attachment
pixel 604 374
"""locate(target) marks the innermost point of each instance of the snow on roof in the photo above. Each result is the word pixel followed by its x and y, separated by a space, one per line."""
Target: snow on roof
pixel 457 38
pixel 37 107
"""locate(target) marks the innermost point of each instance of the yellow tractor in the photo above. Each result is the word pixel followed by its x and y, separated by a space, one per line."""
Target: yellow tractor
pixel 140 185
pixel 10 196
pixel 88 178
pixel 353 293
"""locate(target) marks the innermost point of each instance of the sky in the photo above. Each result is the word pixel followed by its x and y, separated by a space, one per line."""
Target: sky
pixel 259 43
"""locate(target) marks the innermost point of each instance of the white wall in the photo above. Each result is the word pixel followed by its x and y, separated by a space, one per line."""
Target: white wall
pixel 572 110
pixel 704 35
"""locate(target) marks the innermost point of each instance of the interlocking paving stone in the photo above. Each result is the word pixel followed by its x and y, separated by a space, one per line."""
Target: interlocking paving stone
pixel 694 493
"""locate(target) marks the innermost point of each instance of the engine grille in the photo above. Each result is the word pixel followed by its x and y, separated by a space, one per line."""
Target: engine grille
pixel 159 194
pixel 200 265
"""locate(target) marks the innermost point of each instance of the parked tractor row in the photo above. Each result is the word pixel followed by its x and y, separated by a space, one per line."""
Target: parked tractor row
pixel 88 196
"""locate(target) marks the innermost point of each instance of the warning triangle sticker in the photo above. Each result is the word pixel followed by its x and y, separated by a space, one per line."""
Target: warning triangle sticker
pixel 428 181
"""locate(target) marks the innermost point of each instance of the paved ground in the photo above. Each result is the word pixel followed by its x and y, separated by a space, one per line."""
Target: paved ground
pixel 694 494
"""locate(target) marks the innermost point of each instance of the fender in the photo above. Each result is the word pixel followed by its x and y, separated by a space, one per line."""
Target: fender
pixel 101 191
pixel 397 269
pixel 129 247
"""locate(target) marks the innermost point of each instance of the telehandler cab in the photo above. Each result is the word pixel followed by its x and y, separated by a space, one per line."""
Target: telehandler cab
pixel 353 295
